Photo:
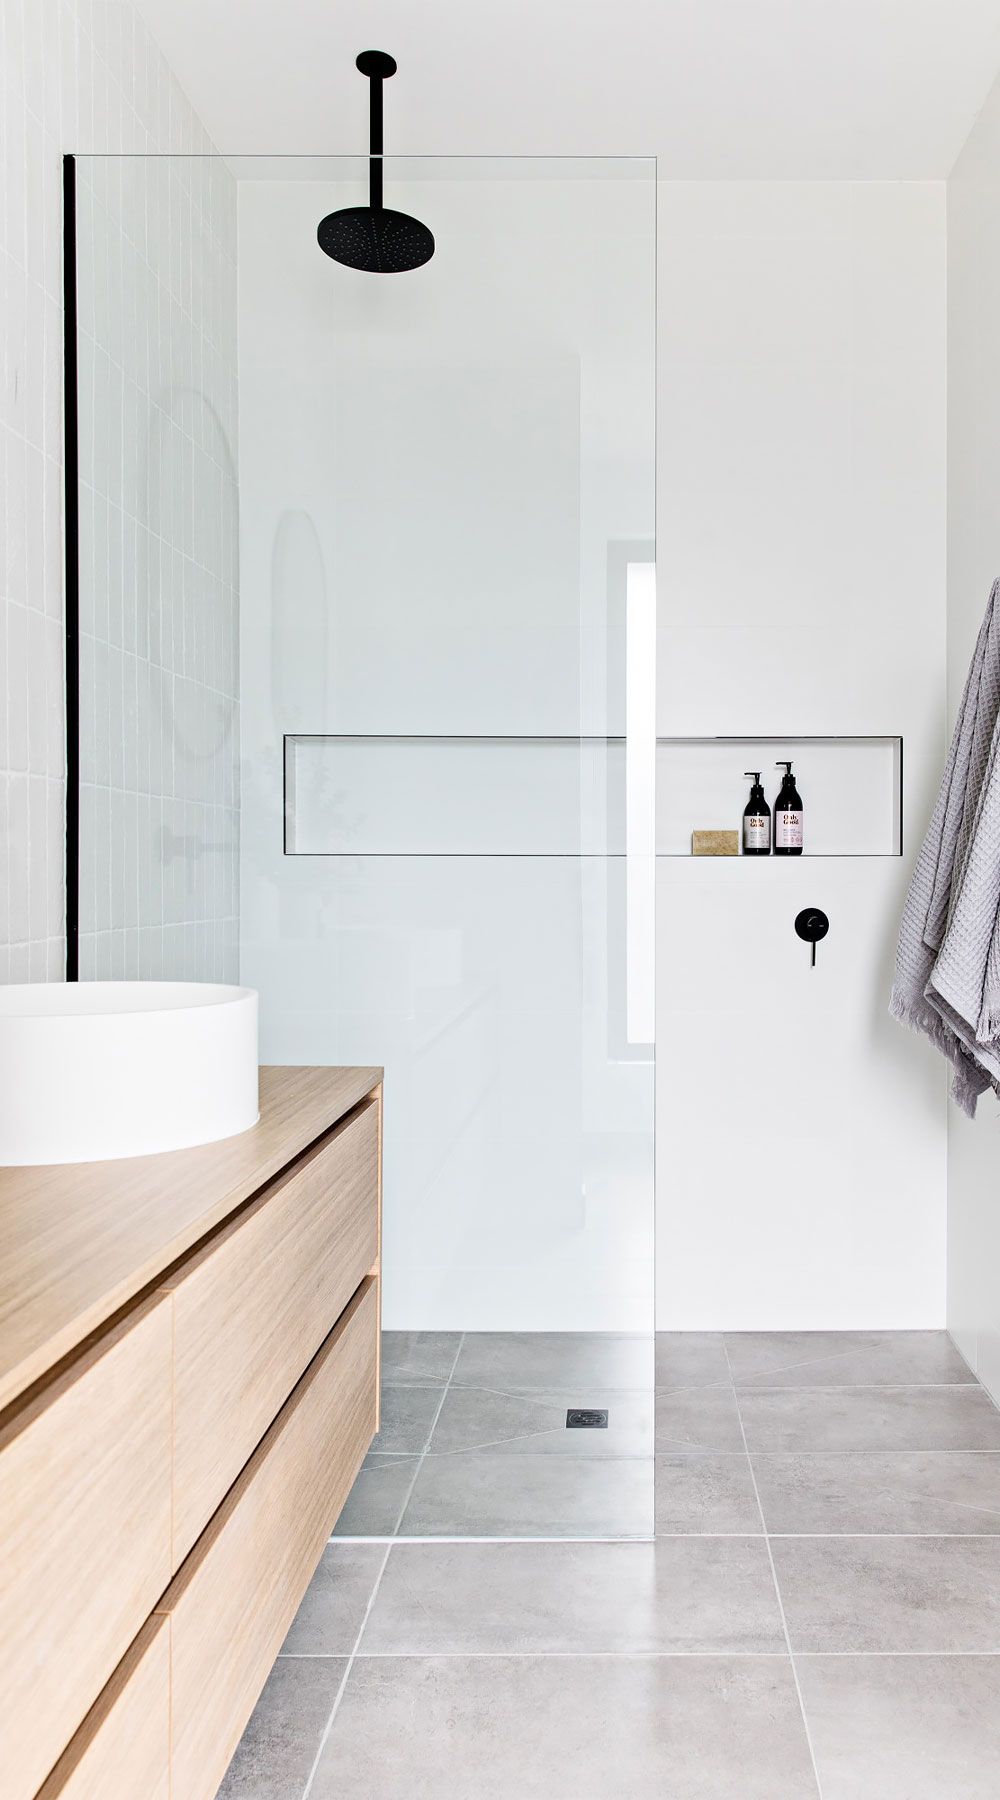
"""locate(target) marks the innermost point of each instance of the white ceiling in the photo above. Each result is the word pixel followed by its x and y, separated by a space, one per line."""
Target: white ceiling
pixel 783 89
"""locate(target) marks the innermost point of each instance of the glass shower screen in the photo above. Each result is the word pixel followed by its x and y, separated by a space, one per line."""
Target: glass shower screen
pixel 447 646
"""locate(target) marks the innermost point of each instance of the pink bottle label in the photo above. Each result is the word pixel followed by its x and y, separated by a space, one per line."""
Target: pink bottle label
pixel 788 830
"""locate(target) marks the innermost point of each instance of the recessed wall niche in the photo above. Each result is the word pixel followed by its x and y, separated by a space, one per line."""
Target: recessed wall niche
pixel 565 796
pixel 851 788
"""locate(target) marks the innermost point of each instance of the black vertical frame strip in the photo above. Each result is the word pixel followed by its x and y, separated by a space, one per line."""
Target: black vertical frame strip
pixel 71 460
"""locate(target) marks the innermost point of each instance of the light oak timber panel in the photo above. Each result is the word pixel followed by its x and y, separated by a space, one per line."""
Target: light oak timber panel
pixel 122 1749
pixel 379 1098
pixel 231 1603
pixel 85 1495
pixel 79 1240
pixel 254 1304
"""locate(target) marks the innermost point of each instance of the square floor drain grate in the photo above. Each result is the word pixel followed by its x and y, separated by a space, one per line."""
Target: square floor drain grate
pixel 586 1418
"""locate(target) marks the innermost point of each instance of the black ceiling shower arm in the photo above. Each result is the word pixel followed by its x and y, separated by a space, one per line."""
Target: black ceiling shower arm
pixel 375 237
pixel 378 65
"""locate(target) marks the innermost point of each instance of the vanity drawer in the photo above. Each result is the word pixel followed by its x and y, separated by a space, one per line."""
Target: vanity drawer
pixel 122 1749
pixel 232 1602
pixel 85 1534
pixel 254 1304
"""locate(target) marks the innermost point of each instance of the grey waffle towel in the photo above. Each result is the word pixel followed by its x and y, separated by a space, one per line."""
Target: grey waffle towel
pixel 947 981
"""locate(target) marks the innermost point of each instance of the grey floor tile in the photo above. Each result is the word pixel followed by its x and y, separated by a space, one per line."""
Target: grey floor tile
pixel 407 1416
pixel 546 1362
pixel 278 1747
pixel 691 1359
pixel 678 1595
pixel 844 1358
pixel 329 1618
pixel 914 1418
pixel 923 1491
pixel 709 1491
pixel 890 1593
pixel 552 1728
pixel 419 1356
pixel 477 1418
pixel 376 1500
pixel 697 1419
pixel 904 1727
pixel 487 1493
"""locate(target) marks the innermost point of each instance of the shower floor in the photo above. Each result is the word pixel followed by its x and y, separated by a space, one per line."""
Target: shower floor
pixel 817 1618
pixel 474 1439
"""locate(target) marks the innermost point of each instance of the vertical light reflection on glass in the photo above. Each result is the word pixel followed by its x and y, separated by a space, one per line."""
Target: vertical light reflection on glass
pixel 640 799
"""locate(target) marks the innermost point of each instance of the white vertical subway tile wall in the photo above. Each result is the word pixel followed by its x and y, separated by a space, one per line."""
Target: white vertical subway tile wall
pixel 90 79
pixel 159 669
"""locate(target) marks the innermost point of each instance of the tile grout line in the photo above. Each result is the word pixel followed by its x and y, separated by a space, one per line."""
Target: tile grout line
pixel 407 1497
pixel 791 1537
pixel 487 1542
pixel 639 1655
pixel 911 1450
pixel 390 1537
pixel 307 1790
pixel 829 1356
pixel 857 1387
pixel 554 1396
pixel 777 1589
pixel 328 1727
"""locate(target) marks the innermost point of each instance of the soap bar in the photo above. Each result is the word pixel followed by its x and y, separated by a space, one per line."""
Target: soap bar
pixel 715 843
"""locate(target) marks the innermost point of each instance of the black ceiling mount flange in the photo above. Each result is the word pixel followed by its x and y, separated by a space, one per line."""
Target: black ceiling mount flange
pixel 373 237
pixel 377 64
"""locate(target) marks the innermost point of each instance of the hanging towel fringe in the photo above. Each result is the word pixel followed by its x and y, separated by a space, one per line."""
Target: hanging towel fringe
pixel 947 980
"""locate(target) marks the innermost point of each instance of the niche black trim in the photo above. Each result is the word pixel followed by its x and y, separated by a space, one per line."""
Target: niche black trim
pixel 71 463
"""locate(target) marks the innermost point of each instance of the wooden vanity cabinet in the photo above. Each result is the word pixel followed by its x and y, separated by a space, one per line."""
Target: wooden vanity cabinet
pixel 85 1498
pixel 123 1746
pixel 167 1486
pixel 237 1593
pixel 252 1307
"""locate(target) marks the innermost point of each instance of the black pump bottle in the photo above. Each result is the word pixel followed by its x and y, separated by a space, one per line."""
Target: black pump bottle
pixel 756 819
pixel 787 815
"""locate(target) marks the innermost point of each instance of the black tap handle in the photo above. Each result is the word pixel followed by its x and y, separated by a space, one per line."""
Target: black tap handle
pixel 811 925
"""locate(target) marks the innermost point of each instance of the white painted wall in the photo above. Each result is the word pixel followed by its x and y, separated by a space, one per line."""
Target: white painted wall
pixel 801 1134
pixel 973 565
pixel 73 77
pixel 801 1153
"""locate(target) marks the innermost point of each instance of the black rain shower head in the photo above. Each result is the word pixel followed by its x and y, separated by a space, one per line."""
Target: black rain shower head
pixel 374 237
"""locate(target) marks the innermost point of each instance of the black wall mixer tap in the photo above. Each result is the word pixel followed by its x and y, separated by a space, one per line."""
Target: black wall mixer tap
pixel 812 925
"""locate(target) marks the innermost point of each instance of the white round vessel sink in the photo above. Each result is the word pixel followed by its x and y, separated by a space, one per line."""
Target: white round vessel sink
pixel 94 1070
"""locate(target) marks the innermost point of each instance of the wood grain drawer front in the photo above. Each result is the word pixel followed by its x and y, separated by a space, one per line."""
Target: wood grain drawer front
pixel 85 1531
pixel 254 1304
pixel 122 1749
pixel 235 1597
